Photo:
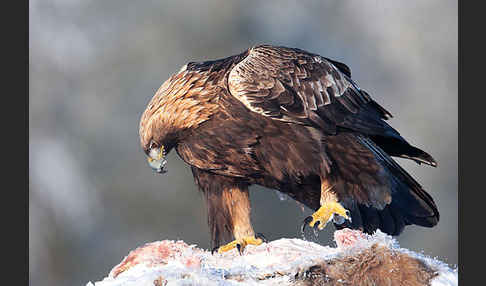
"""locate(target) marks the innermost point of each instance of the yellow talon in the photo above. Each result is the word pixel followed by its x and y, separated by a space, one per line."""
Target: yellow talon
pixel 326 212
pixel 240 244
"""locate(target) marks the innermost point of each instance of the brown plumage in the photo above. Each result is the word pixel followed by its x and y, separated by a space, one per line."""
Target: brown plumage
pixel 288 120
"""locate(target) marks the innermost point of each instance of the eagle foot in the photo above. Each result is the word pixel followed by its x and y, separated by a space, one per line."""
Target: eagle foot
pixel 241 243
pixel 329 211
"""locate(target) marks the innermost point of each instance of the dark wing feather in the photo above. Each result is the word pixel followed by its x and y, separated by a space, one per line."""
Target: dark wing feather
pixel 296 86
pixel 377 191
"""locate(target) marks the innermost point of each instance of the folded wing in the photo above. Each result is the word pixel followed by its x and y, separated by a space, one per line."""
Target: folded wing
pixel 296 86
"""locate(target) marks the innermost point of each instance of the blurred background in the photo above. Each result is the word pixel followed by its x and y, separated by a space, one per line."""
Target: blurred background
pixel 94 65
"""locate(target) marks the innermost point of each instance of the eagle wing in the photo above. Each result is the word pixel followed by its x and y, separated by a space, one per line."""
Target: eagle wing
pixel 296 86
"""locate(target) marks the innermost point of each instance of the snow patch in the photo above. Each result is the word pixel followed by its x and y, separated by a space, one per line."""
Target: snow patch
pixel 277 262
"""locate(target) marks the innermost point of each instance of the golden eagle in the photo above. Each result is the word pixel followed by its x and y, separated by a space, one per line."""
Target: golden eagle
pixel 292 121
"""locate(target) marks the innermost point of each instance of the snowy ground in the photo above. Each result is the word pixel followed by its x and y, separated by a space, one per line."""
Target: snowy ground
pixel 277 262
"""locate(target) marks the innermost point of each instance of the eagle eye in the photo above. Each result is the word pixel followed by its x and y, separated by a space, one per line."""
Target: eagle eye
pixel 153 145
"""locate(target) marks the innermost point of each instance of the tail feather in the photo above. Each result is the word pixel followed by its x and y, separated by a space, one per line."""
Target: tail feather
pixel 398 147
pixel 410 203
pixel 421 202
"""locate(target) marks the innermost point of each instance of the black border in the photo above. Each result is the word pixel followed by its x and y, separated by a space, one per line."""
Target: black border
pixel 471 130
pixel 15 144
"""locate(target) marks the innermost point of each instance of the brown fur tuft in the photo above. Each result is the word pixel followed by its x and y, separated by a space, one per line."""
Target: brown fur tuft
pixel 377 266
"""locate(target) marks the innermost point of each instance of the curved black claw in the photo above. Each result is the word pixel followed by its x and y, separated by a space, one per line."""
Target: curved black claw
pixel 238 246
pixel 261 236
pixel 316 229
pixel 214 249
pixel 306 221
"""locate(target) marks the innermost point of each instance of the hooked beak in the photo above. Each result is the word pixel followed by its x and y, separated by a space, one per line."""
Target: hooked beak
pixel 157 160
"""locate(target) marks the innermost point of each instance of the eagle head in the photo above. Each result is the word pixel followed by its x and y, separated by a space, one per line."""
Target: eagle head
pixel 182 103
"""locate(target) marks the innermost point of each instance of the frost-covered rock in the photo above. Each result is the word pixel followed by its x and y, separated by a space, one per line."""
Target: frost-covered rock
pixel 358 259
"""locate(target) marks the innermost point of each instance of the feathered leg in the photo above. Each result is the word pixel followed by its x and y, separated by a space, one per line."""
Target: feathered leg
pixel 236 201
pixel 229 210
